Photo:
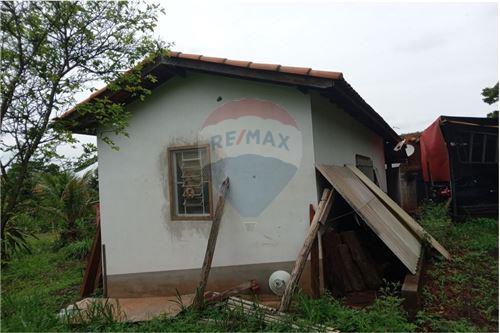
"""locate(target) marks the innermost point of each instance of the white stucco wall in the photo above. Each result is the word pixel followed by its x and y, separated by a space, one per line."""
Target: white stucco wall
pixel 136 226
pixel 338 138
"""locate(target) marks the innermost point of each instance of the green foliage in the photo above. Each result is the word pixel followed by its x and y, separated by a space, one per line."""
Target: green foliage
pixel 51 50
pixel 461 294
pixel 78 249
pixel 36 286
pixel 493 114
pixel 435 323
pixel 64 199
pixel 14 241
pixel 384 315
pixel 435 220
pixel 490 96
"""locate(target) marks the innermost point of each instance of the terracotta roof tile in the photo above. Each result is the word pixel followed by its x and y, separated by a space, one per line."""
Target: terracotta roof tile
pixel 187 56
pixel 237 63
pixel 295 70
pixel 213 59
pixel 266 67
pixel 326 74
pixel 261 66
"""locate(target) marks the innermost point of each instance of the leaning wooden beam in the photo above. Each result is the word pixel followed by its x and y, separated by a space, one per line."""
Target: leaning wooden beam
pixel 315 271
pixel 198 300
pixel 92 273
pixel 400 213
pixel 320 216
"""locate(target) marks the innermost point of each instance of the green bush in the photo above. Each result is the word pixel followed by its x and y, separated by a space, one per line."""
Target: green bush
pixel 384 315
pixel 435 323
pixel 27 314
pixel 78 249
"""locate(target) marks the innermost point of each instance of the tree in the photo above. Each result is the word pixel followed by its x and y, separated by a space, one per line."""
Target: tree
pixel 66 198
pixel 490 96
pixel 50 50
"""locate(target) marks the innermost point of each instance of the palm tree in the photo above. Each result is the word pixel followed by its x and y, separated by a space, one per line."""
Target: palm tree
pixel 65 198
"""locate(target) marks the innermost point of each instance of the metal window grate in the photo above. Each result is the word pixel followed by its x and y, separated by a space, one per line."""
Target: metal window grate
pixel 191 182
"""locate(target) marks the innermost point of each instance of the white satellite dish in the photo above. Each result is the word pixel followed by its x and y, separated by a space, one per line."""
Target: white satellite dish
pixel 278 281
pixel 409 150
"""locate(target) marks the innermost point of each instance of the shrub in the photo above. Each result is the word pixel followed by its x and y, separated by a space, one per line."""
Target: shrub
pixel 78 249
pixel 384 315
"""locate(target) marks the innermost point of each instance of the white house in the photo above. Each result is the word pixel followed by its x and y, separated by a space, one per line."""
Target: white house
pixel 265 127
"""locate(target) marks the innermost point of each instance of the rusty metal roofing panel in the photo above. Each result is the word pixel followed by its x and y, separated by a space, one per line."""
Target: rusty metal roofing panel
pixel 377 216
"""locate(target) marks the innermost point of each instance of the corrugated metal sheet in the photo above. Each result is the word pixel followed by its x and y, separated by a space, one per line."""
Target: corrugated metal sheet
pixel 376 215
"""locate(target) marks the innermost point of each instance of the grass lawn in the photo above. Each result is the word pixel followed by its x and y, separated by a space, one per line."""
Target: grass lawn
pixel 458 296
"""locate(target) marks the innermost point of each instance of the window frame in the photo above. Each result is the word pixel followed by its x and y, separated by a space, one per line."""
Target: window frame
pixel 174 216
pixel 470 147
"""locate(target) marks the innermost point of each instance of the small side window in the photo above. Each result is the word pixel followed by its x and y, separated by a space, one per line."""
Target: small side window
pixel 365 165
pixel 190 183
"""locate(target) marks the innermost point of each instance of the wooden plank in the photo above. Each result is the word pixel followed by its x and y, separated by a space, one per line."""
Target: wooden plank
pixel 198 300
pixel 362 259
pixel 104 272
pixel 352 271
pixel 334 268
pixel 377 216
pixel 305 250
pixel 410 291
pixel 92 269
pixel 315 285
pixel 416 228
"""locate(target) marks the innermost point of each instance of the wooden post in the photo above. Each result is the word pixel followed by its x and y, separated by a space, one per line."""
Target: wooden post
pixel 93 267
pixel 320 216
pixel 104 272
pixel 198 300
pixel 410 290
pixel 315 288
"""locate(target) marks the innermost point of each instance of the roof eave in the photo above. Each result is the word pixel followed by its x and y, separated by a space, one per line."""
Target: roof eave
pixel 332 85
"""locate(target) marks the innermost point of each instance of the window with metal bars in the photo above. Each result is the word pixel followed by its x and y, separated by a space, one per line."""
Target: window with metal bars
pixel 190 183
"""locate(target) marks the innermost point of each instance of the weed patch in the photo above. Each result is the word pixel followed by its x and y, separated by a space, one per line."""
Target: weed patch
pixel 461 294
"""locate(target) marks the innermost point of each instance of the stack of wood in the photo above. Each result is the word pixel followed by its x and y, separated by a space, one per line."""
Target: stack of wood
pixel 348 265
pixel 271 315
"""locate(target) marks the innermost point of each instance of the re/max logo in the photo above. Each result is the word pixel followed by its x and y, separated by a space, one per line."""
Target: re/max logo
pixel 233 138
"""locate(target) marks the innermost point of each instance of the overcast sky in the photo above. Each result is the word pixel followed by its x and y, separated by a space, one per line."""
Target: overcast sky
pixel 410 62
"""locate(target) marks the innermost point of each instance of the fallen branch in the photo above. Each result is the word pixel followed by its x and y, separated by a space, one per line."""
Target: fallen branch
pixel 214 297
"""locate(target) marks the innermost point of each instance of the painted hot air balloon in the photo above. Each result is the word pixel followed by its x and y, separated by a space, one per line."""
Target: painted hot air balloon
pixel 258 145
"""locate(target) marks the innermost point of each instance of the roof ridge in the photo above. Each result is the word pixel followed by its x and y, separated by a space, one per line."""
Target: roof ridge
pixel 297 70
